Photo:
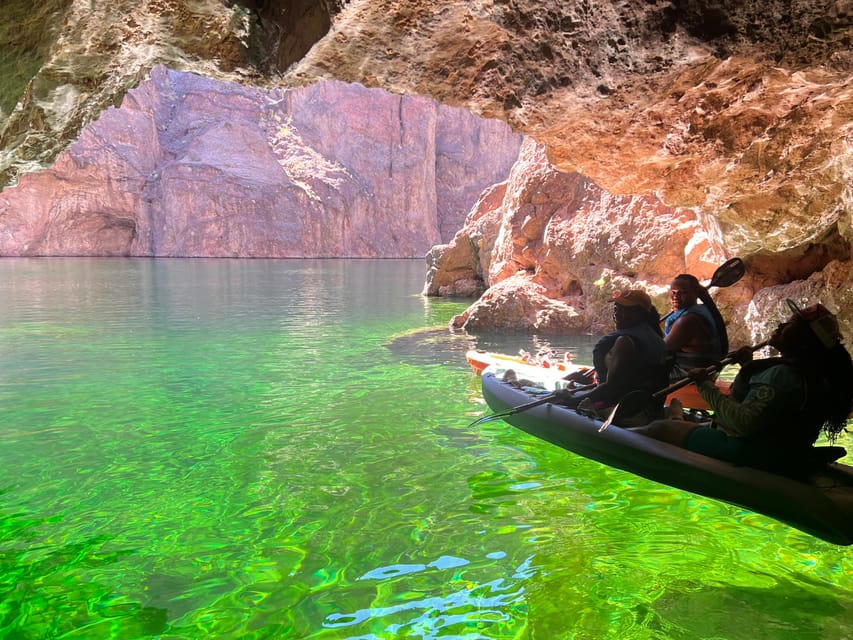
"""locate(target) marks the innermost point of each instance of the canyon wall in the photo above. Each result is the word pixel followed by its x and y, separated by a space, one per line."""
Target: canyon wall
pixel 190 166
pixel 741 112
pixel 727 121
pixel 545 250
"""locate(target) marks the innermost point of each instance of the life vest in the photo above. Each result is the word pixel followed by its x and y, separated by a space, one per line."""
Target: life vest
pixel 650 347
pixel 802 428
pixel 715 351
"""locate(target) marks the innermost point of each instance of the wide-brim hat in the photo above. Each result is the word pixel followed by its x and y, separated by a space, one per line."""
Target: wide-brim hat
pixel 821 321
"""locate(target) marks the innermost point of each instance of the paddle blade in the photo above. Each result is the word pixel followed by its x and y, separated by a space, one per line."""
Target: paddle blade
pixel 609 419
pixel 629 405
pixel 524 407
pixel 728 273
pixel 488 418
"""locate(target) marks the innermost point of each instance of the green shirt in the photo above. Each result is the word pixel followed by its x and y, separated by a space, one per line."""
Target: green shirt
pixel 775 400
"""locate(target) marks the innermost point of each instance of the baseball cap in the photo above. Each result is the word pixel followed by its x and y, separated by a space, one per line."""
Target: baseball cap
pixel 633 298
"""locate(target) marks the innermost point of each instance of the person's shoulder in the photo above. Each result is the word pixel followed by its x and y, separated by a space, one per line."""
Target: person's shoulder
pixel 783 376
pixel 690 319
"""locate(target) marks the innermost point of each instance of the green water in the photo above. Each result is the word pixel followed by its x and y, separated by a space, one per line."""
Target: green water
pixel 281 449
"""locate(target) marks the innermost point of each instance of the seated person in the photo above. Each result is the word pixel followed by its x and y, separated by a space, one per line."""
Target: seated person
pixel 630 358
pixel 694 333
pixel 778 406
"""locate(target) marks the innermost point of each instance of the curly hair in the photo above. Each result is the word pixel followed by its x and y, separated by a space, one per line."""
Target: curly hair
pixel 836 371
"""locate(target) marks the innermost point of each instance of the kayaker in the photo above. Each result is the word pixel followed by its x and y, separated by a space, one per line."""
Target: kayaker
pixel 694 331
pixel 778 406
pixel 630 358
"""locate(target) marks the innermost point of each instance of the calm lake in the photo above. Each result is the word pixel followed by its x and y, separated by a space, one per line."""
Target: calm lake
pixel 282 449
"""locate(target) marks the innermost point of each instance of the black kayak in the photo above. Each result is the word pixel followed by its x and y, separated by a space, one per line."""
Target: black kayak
pixel 821 504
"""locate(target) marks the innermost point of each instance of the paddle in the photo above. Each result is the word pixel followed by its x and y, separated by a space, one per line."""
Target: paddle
pixel 559 393
pixel 726 275
pixel 636 400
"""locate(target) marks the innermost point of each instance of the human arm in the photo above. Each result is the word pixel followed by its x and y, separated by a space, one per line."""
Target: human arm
pixel 739 419
pixel 772 398
pixel 621 365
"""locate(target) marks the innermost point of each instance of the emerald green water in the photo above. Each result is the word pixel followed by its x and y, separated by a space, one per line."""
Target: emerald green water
pixel 282 449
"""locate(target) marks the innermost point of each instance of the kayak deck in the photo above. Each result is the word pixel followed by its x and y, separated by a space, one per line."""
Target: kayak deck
pixel 553 376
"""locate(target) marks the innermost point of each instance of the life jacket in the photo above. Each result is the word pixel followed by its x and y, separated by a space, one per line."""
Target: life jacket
pixel 650 348
pixel 802 428
pixel 715 350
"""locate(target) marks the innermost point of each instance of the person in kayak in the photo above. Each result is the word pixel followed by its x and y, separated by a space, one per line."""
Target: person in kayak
pixel 778 407
pixel 631 358
pixel 694 332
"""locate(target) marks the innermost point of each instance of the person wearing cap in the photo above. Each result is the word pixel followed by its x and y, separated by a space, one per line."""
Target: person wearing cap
pixel 631 358
pixel 694 332
pixel 777 407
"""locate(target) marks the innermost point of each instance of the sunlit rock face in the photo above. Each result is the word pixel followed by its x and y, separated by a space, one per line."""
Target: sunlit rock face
pixel 740 111
pixel 190 166
pixel 546 249
pixel 556 236
pixel 734 112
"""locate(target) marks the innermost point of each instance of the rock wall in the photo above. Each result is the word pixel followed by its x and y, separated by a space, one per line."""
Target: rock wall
pixel 190 166
pixel 545 250
pixel 740 111
pixel 733 114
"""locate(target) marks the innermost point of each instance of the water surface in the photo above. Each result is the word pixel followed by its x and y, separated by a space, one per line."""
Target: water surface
pixel 282 449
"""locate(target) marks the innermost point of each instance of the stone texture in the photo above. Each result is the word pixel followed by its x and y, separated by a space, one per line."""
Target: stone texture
pixel 86 55
pixel 190 166
pixel 739 110
pixel 562 244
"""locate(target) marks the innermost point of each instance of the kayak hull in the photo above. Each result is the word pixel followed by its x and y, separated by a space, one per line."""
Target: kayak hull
pixel 822 507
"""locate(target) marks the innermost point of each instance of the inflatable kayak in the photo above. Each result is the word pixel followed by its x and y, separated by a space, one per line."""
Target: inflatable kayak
pixel 550 373
pixel 535 366
pixel 821 505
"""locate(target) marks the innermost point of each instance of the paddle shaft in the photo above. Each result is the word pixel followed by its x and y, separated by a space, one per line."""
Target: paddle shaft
pixel 675 386
pixel 529 405
pixel 523 407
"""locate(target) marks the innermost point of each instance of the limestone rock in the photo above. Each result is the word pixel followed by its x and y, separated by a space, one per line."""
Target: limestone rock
pixel 559 236
pixel 519 304
pixel 741 111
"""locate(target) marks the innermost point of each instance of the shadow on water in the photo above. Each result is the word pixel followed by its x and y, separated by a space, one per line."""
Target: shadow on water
pixel 786 607
pixel 432 346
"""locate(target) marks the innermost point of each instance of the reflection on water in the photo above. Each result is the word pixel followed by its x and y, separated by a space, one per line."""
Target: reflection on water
pixel 282 449
pixel 471 606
